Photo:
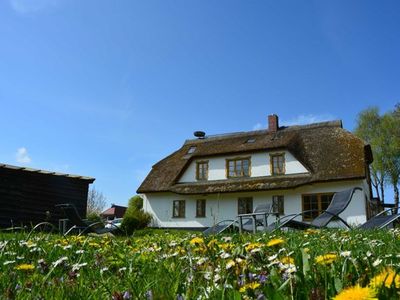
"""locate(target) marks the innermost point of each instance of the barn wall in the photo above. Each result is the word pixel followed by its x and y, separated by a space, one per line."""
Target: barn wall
pixel 26 196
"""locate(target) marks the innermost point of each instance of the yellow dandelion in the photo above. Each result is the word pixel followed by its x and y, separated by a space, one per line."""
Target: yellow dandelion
pixel 25 267
pixel 225 246
pixel 230 264
pixel 196 240
pixel 287 260
pixel 249 286
pixel 356 293
pixel 326 259
pixel 275 242
pixel 212 243
pixel 252 246
pixel 312 231
pixel 386 278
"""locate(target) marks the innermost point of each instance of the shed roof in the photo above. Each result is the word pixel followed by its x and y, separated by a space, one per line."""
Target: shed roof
pixel 328 151
pixel 25 169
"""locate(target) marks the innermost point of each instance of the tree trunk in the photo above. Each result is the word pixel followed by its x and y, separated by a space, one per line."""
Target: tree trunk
pixel 396 198
pixel 382 192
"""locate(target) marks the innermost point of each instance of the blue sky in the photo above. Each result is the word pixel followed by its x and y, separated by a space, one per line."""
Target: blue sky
pixel 108 88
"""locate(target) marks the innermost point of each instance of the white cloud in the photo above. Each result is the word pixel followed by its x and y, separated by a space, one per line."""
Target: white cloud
pixel 22 156
pixel 258 126
pixel 307 119
pixel 31 6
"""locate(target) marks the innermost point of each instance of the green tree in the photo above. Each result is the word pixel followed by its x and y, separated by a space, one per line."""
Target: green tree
pixel 369 128
pixel 135 217
pixel 383 134
pixel 390 143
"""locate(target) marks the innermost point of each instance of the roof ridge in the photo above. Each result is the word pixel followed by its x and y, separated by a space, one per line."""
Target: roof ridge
pixel 333 123
pixel 45 172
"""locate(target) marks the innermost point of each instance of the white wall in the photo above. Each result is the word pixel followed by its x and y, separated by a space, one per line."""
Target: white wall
pixel 260 166
pixel 224 206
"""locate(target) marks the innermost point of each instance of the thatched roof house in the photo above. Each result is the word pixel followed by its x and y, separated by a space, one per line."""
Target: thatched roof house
pixel 326 152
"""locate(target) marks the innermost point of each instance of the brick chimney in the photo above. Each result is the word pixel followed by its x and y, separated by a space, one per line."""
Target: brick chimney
pixel 273 123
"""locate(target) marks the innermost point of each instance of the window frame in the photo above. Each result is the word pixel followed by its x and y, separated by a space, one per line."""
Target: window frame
pixel 235 160
pixel 248 209
pixel 181 208
pixel 203 206
pixel 198 163
pixel 278 205
pixel 319 204
pixel 272 164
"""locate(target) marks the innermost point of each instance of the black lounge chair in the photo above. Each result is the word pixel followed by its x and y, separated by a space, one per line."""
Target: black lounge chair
pixel 381 220
pixel 221 226
pixel 339 203
pixel 81 225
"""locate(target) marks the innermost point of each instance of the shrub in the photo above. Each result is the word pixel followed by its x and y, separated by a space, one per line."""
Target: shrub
pixel 135 217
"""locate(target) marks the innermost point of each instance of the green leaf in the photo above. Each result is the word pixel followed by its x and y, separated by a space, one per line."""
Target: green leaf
pixel 306 264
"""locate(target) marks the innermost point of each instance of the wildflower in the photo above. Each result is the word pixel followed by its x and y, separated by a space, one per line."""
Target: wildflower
pixel 8 262
pixel 127 295
pixel 225 255
pixel 25 267
pixel 312 231
pixel 377 262
pixel 230 264
pixel 149 295
pixel 76 267
pixel 275 242
pixel 287 260
pixel 59 261
pixel 386 278
pixel 326 259
pixel 249 286
pixel 207 275
pixel 212 243
pixel 345 253
pixel 226 239
pixel 253 246
pixel 356 293
pixel 196 241
pixel 79 251
pixel 273 257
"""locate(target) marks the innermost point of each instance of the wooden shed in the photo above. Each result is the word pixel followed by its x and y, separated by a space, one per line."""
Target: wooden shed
pixel 28 196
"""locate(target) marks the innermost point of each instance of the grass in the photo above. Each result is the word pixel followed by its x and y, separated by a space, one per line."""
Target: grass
pixel 185 265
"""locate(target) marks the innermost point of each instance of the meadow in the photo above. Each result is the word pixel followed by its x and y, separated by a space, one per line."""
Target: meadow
pixel 313 264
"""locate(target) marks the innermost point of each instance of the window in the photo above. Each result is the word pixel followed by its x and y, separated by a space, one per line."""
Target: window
pixel 201 208
pixel 277 205
pixel 317 202
pixel 191 150
pixel 277 164
pixel 178 210
pixel 202 170
pixel 251 141
pixel 245 205
pixel 238 167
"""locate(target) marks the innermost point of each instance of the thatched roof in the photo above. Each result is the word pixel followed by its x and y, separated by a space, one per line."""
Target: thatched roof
pixel 329 152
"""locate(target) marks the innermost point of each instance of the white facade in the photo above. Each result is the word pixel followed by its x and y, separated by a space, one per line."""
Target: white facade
pixel 259 166
pixel 225 206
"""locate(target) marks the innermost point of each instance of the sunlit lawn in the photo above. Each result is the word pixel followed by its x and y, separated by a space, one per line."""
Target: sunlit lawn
pixel 178 265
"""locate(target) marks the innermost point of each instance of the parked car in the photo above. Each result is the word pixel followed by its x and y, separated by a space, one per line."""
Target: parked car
pixel 114 223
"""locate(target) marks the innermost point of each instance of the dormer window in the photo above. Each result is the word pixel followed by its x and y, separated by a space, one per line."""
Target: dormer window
pixel 251 141
pixel 191 150
pixel 238 167
pixel 202 170
pixel 277 162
